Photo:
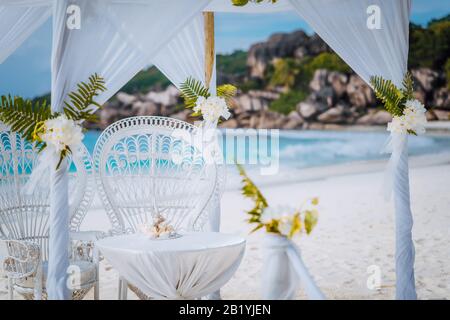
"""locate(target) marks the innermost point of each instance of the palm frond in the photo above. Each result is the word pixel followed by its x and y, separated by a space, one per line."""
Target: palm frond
pixel 191 89
pixel 251 191
pixel 408 86
pixel 226 91
pixel 22 116
pixel 310 220
pixel 389 94
pixel 81 102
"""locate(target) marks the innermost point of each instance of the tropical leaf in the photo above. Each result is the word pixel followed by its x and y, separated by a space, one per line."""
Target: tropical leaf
pixel 22 116
pixel 226 91
pixel 251 191
pixel 392 97
pixel 81 103
pixel 408 86
pixel 310 220
pixel 26 118
pixel 296 225
pixel 191 89
pixel 259 226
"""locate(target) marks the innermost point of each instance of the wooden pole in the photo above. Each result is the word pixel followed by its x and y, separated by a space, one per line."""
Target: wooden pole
pixel 208 18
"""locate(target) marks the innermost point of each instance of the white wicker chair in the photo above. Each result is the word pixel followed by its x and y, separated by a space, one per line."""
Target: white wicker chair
pixel 24 225
pixel 143 168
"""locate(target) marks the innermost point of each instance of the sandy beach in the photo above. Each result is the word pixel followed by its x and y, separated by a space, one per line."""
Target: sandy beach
pixel 355 231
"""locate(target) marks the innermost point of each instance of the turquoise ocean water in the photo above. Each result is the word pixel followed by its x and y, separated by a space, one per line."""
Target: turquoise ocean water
pixel 302 149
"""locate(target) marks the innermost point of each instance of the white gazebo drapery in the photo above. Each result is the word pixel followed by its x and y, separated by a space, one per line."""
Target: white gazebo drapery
pixel 18 20
pixel 343 25
pixel 119 37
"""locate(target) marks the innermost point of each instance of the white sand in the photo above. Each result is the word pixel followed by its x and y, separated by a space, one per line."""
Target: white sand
pixel 355 231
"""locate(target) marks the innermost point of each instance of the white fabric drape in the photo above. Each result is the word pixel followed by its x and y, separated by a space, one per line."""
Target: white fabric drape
pixel 18 20
pixel 404 246
pixel 369 51
pixel 116 39
pixel 342 24
pixel 59 239
pixel 184 55
pixel 284 271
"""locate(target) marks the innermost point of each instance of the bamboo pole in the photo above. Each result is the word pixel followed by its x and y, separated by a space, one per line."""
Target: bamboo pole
pixel 209 46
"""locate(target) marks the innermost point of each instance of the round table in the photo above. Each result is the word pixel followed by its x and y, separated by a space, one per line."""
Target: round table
pixel 189 267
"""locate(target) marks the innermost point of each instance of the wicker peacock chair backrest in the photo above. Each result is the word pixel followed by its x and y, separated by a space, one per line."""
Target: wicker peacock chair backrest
pixel 25 215
pixel 146 168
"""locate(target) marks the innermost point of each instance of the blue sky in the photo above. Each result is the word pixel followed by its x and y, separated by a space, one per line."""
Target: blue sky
pixel 27 71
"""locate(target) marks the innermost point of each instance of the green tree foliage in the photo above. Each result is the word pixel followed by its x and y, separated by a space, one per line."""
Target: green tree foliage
pixel 295 75
pixel 447 72
pixel 234 63
pixel 146 79
pixel 329 61
pixel 430 47
pixel 288 101
pixel 285 72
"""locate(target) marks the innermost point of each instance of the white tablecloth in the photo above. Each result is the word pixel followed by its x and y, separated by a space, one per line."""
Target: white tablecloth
pixel 188 267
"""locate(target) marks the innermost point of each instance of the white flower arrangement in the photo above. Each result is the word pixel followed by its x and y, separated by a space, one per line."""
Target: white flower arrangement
pixel 282 220
pixel 55 133
pixel 412 121
pixel 288 221
pixel 212 108
pixel 61 133
pixel 408 113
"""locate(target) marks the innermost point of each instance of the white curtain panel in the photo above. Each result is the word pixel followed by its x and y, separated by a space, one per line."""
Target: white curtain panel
pixel 18 20
pixel 343 25
pixel 184 55
pixel 371 48
pixel 116 39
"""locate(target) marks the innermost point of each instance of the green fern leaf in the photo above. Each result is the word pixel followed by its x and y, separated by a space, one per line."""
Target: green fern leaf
pixel 22 116
pixel 81 102
pixel 191 89
pixel 408 87
pixel 389 94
